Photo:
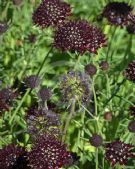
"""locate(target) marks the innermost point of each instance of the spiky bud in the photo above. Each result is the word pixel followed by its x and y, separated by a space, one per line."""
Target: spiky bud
pixel 104 65
pixel 75 85
pixel 32 81
pixel 130 71
pixel 49 153
pixel 117 13
pixel 51 13
pixel 131 29
pixel 118 152
pixel 44 94
pixel 90 69
pixel 131 126
pixel 96 140
pixel 3 27
pixel 80 36
pixel 108 116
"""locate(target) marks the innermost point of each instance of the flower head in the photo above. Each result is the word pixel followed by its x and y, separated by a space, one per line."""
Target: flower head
pixel 51 13
pixel 108 116
pixel 117 13
pixel 75 85
pixel 96 140
pixel 49 153
pixel 79 36
pixel 10 156
pixel 118 152
pixel 130 71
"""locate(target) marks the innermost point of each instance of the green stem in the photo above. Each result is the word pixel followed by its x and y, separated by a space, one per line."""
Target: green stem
pixel 68 120
pixel 46 56
pixel 95 98
pixel 19 106
pixel 96 158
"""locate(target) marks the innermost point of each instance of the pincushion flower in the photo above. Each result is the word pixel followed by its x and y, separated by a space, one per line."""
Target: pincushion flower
pixel 80 36
pixel 130 71
pixel 49 153
pixel 10 156
pixel 118 152
pixel 51 13
pixel 75 85
pixel 117 13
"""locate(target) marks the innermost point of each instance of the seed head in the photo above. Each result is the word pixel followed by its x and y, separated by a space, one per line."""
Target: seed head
pixel 96 140
pixel 118 152
pixel 79 36
pixel 75 85
pixel 117 13
pixel 130 71
pixel 49 153
pixel 51 13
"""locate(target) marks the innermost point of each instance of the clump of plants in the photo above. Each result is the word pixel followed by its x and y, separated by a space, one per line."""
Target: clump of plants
pixel 67 74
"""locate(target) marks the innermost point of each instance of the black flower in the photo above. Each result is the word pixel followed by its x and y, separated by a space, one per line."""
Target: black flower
pixel 79 36
pixel 131 126
pixel 49 153
pixel 75 85
pixel 118 152
pixel 10 156
pixel 130 71
pixel 51 13
pixel 96 140
pixel 117 13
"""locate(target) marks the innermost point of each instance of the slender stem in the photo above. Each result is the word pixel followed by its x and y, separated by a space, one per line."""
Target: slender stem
pixel 19 106
pixel 68 120
pixel 115 91
pixel 96 158
pixel 95 98
pixel 46 56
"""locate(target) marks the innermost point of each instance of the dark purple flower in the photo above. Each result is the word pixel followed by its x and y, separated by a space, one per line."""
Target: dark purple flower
pixel 79 36
pixel 96 140
pixel 90 69
pixel 131 126
pixel 51 13
pixel 49 153
pixel 118 152
pixel 117 13
pixel 10 156
pixel 130 71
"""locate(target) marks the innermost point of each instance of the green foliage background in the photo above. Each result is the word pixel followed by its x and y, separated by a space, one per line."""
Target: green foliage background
pixel 19 58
